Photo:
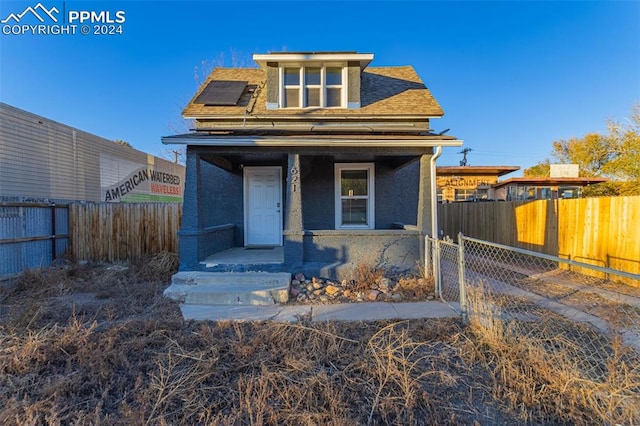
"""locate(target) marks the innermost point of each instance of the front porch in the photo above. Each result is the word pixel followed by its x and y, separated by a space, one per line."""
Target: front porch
pixel 281 210
pixel 242 256
pixel 326 253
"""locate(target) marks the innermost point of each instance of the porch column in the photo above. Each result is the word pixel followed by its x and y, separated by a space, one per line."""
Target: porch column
pixel 424 196
pixel 293 225
pixel 191 201
pixel 190 229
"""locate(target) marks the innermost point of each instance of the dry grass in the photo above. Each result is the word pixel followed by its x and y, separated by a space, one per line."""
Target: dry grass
pixel 99 345
pixel 553 369
pixel 414 288
pixel 367 276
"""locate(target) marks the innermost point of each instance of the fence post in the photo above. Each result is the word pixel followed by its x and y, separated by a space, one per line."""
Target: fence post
pixel 427 257
pixel 435 264
pixel 54 252
pixel 462 279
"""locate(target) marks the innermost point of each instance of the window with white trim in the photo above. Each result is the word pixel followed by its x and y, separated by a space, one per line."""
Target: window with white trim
pixel 314 86
pixel 354 196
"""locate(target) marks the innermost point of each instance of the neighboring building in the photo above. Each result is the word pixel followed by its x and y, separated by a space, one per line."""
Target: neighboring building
pixel 564 182
pixel 543 188
pixel 326 159
pixel 41 159
pixel 469 183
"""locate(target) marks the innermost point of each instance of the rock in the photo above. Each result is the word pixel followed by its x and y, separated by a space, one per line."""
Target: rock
pixel 301 297
pixel 318 292
pixel 317 285
pixel 310 287
pixel 332 290
pixel 385 285
pixel 346 293
pixel 430 297
pixel 373 295
pixel 294 291
pixel 324 298
pixel 396 297
pixel 295 282
pixel 300 277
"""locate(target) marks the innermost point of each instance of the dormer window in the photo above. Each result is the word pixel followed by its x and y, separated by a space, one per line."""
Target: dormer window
pixel 313 80
pixel 313 87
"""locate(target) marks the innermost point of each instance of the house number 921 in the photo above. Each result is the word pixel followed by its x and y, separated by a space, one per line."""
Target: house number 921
pixel 294 178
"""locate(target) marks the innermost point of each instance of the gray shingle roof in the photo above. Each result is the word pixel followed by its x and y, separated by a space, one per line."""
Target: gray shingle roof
pixel 385 91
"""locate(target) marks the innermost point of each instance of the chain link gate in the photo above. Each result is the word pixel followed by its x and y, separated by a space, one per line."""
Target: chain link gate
pixel 443 258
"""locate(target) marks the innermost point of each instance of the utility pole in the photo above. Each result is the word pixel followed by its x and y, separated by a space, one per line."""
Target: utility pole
pixel 464 153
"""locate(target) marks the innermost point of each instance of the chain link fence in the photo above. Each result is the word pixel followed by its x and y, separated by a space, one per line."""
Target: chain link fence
pixel 567 307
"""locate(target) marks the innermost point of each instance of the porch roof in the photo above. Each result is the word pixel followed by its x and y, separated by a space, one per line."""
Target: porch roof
pixel 306 140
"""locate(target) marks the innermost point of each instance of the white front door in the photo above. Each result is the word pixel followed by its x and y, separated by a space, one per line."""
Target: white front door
pixel 262 206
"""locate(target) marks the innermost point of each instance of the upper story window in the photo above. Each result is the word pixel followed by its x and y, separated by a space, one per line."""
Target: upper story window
pixel 313 87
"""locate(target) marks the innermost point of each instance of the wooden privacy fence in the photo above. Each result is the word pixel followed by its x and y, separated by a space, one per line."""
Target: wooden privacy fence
pixel 108 232
pixel 600 231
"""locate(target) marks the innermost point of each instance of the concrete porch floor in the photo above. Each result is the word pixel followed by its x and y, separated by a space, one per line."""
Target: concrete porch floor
pixel 246 256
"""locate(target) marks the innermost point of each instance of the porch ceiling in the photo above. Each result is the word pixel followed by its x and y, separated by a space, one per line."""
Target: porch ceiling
pixel 233 160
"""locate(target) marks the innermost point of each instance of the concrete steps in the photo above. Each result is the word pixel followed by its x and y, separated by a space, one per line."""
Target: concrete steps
pixel 229 288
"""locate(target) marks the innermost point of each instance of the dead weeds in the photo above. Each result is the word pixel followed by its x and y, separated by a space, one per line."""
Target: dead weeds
pixel 100 345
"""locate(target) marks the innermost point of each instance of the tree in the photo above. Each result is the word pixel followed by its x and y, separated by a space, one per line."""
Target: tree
pixel 124 143
pixel 591 152
pixel 539 170
pixel 625 143
pixel 615 156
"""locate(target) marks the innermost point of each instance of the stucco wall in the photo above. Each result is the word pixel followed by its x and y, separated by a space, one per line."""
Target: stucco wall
pixel 397 250
pixel 396 193
pixel 222 199
pixel 318 208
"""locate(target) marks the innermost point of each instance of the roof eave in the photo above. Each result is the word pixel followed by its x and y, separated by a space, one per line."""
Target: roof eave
pixel 241 117
pixel 307 142
pixel 550 181
pixel 363 58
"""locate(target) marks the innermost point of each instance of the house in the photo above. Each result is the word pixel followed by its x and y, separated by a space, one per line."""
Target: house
pixel 469 183
pixel 43 160
pixel 314 161
pixel 543 188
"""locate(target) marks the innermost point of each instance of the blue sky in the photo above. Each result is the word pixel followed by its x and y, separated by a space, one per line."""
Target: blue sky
pixel 512 77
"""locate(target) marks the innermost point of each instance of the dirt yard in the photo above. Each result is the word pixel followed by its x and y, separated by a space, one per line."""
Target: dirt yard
pixel 100 345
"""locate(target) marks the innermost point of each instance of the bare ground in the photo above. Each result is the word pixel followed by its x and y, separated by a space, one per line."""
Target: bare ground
pixel 99 344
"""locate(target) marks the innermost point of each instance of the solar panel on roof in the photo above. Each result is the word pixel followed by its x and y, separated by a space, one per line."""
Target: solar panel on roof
pixel 221 92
